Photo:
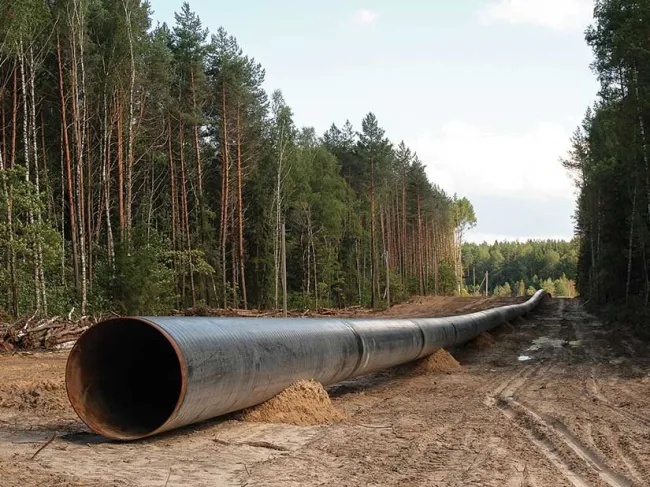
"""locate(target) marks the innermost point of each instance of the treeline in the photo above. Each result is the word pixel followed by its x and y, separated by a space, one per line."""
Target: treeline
pixel 521 268
pixel 144 168
pixel 610 158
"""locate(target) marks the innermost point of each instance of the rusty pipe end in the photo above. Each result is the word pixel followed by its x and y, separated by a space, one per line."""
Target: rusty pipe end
pixel 125 378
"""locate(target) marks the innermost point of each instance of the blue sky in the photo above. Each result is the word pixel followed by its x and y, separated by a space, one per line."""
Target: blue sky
pixel 488 92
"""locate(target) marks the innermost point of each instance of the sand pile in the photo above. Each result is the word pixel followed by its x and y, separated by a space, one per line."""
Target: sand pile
pixel 441 361
pixel 303 403
pixel 36 396
pixel 483 341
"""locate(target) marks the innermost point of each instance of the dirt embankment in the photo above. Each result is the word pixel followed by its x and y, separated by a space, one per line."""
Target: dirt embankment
pixel 60 333
pixel 440 306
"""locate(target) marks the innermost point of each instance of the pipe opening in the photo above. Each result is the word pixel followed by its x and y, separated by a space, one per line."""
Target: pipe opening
pixel 124 378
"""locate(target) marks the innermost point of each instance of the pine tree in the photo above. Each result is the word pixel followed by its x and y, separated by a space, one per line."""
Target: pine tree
pixel 132 153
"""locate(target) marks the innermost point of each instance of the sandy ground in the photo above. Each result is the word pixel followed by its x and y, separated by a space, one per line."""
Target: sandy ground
pixel 576 413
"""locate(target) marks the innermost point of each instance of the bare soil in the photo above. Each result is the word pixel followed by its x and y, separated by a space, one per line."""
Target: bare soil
pixel 559 399
pixel 483 341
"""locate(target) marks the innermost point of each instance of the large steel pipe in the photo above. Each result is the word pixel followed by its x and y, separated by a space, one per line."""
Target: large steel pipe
pixel 129 378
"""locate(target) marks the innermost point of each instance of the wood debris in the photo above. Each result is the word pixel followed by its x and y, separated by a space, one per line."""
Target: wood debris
pixel 49 333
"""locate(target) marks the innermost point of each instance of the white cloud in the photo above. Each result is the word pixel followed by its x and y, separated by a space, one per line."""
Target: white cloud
pixel 515 180
pixel 556 14
pixel 465 159
pixel 364 17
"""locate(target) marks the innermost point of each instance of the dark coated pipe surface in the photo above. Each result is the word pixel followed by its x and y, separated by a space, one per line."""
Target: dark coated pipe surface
pixel 129 378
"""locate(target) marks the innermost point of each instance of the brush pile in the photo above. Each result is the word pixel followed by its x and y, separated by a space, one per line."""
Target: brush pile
pixel 58 332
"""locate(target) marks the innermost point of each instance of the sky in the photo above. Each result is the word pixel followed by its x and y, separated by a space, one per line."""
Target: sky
pixel 487 92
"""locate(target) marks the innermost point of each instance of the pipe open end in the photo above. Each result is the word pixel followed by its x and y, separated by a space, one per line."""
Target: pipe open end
pixel 124 378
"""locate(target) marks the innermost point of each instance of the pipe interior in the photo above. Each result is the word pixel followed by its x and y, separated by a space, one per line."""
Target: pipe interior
pixel 124 378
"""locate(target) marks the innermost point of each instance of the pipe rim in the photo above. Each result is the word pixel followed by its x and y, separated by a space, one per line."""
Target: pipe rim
pixel 111 433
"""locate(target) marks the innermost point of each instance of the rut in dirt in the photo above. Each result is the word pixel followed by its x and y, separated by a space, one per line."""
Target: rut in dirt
pixel 571 339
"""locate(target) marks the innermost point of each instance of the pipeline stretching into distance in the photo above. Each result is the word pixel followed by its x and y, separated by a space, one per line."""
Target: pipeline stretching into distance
pixel 130 378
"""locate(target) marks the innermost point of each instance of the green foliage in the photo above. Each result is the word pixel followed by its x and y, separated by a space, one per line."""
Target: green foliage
pixel 609 162
pixel 564 287
pixel 463 215
pixel 549 286
pixel 143 281
pixel 522 263
pixel 504 291
pixel 448 283
pixel 521 289
pixel 166 171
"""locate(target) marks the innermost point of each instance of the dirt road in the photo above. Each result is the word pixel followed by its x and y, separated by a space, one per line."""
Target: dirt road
pixel 574 411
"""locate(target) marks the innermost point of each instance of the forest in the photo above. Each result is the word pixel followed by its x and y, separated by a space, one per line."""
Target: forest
pixel 521 268
pixel 610 163
pixel 144 168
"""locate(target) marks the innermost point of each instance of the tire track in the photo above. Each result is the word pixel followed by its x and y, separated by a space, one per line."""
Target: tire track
pixel 520 377
pixel 593 390
pixel 502 397
pixel 546 448
pixel 578 462
pixel 612 441
pixel 633 396
pixel 548 431
pixel 611 438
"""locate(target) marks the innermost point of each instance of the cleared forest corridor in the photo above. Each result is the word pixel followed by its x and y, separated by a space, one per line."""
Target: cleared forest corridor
pixel 576 413
pixel 321 160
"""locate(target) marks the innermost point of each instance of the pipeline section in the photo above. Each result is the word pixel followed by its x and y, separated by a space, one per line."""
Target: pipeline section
pixel 130 378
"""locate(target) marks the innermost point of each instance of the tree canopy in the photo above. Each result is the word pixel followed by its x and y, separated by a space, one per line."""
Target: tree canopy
pixel 144 168
pixel 609 161
pixel 521 268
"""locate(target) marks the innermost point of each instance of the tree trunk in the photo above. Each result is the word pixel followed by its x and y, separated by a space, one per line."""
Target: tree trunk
pixel 306 254
pixel 186 215
pixel 384 240
pixel 404 235
pixel 199 167
pixel 373 246
pixel 106 182
pixel 630 246
pixel 78 91
pixel 644 143
pixel 284 269
pixel 419 247
pixel 82 118
pixel 11 258
pixel 225 188
pixel 358 261
pixel 233 259
pixel 131 132
pixel 120 169
pixel 12 164
pixel 3 114
pixel 48 190
pixel 173 197
pixel 240 206
pixel 278 222
pixel 311 256
pixel 26 156
pixel 37 186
